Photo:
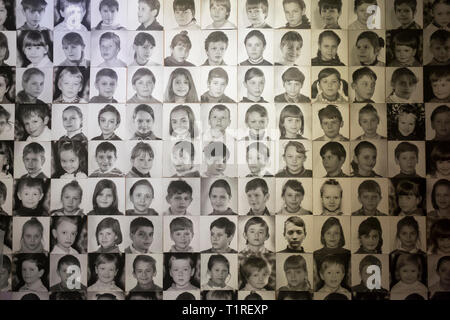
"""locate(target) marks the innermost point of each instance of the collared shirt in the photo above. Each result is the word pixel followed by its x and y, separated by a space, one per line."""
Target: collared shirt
pixel 339 137
pixel 298 99
pixel 36 286
pixel 212 250
pixel 132 249
pixel 46 135
pixel 39 175
pixel 136 99
pixel 299 212
pixel 260 251
pixel 206 97
pixel 339 99
pixel 114 172
pixel 264 213
pixel 155 25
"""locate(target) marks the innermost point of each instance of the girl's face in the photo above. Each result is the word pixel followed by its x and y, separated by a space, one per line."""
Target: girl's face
pixel 292 125
pixel 30 272
pixel 291 51
pixel 408 237
pixel 443 244
pixel 179 121
pixel 180 86
pixel 441 14
pixel 404 54
pixel 142 198
pixel 255 86
pixel 331 198
pixel 330 85
pixel 143 122
pixel 409 273
pixel 35 53
pixel 333 275
pixel 220 199
pixel 369 123
pixel 441 87
pixel 73 52
pixel 255 48
pixel 143 52
pixel 65 234
pixel 443 167
pixel 181 271
pixel 332 237
pixel 180 52
pixel 183 17
pixel 444 273
pixel 218 273
pixel 32 237
pixel 218 13
pixel 69 161
pixel 71 200
pixel 258 279
pixel 366 159
pixel 71 120
pixel 442 197
pixel 3 13
pixel 365 51
pixel 294 160
pixel 293 13
pixel 328 48
pixel 105 198
pixel 106 272
pixel 370 241
pixel 70 86
pixel 107 238
pixel 362 13
pixel 143 162
pixel 404 87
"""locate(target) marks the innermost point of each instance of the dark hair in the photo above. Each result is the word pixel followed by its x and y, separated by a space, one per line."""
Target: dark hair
pixel 330 222
pixel 216 36
pixel 99 187
pixel 224 223
pixel 368 225
pixel 440 182
pixel 335 148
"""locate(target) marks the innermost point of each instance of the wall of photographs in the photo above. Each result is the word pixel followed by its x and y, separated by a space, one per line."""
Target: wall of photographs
pixel 225 149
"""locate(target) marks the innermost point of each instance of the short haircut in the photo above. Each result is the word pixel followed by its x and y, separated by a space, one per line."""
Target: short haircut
pixel 262 111
pixel 39 259
pixel 138 222
pixel 440 109
pixel 182 146
pixel 330 4
pixel 408 258
pixel 107 258
pixel 140 73
pixel 329 260
pixel 295 220
pixel 144 108
pixel 73 38
pixel 217 72
pixel 109 108
pixel 331 111
pixel 106 72
pixel 364 145
pixel 440 36
pixel 375 40
pixel 299 147
pixel 218 258
pixel 369 108
pixel 142 38
pixel 295 185
pixel 369 260
pixel 293 73
pixel 178 187
pixel 369 186
pixel 404 72
pixel 291 36
pixel 216 149
pixel 31 72
pixel 255 184
pixel 364 71
pixel 28 110
pixel 106 146
pixel 146 259
pixel 330 222
pixel 329 34
pixel 260 147
pixel 411 3
pixel 407 188
pixel 33 222
pixel 330 182
pixel 182 256
pixel 256 220
pixel 441 261
pixel 68 260
pixel 440 152
pixel 258 34
pixel 142 147
pixel 253 263
pixel 264 4
pixel 301 3
pixel 30 183
pixel 438 73
pixel 65 3
pixel 33 4
pixel 361 2
pixel 220 183
pixel 182 38
pixel 77 111
pixel 295 262
pixel 224 223
pixel 253 72
pixel 335 148
pixel 57 220
pixel 405 147
pixel 181 223
pixel 35 148
pixel 405 38
pixel 142 182
pixel 440 182
pixel 110 4
pixel 72 71
pixel 111 223
pixel 223 3
pixel 219 107
pixel 153 4
pixel 216 36
pixel 184 5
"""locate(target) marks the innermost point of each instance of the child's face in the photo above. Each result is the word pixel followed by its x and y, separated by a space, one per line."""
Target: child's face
pixel 35 125
pixel 218 13
pixel 333 275
pixel 256 122
pixel 73 15
pixel 256 15
pixel 30 196
pixel 406 123
pixel 408 203
pixel 65 234
pixel 144 86
pixel 217 86
pixel 145 13
pixel 108 49
pixel 258 279
pixel 369 123
pixel 179 203
pixel 143 163
pixel 331 198
pixel 293 199
pixel 34 86
pixel 215 52
pixel 362 13
pixel 142 239
pixel 3 87
pixel 182 238
pixel 220 120
pixel 106 272
pixel 293 13
pixel 183 17
pixel 365 51
pixel 108 15
pixel 143 122
pixel 143 52
pixel 71 120
pixel 444 273
pixel 443 167
pixel 69 161
pixel 72 51
pixel 255 86
pixel 219 239
pixel 331 162
pixel 441 87
pixel 219 198
pixel 370 241
pixel 256 235
pixel 440 51
pixel 179 121
pixel 292 88
pixel 295 277
pixel 181 272
pixel 105 198
pixel 442 196
pixel 408 236
pixel 404 87
pixel 256 161
pixel 106 87
pixel 34 16
pixel 407 162
pixel 35 53
pixel 70 86
pixel 218 273
pixel 294 160
pixel 144 273
pixel 409 273
pixel 180 86
pixel 3 13
pixel 257 199
pixel 64 274
pixel 107 237
pixel 364 87
pixel 441 14
pixel 366 159
pixel 142 197
pixel 441 124
pixel 328 48
pixel 33 162
pixel 404 54
pixel 181 160
pixel 255 48
pixel 330 85
pixel 105 160
pixel 32 237
pixel 404 14
pixel 71 200
pixel 369 200
pixel 443 243
pixel 332 237
pixel 180 52
pixel 294 235
pixel 31 272
pixel 330 16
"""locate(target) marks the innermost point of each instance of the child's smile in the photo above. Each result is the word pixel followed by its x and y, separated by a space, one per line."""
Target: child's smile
pixel 105 198
pixel 143 163
pixel 442 196
pixel 35 53
pixel 180 86
pixel 73 52
pixel 370 241
pixel 259 279
pixel 443 243
pixel 106 272
pixel 69 161
pixel 107 238
pixel 332 237
pixel 333 276
pixel 71 121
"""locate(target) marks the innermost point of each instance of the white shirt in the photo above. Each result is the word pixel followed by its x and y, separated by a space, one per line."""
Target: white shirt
pixel 46 135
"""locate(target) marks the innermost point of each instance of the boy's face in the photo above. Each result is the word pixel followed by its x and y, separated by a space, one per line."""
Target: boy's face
pixel 440 51
pixel 105 198
pixel 142 197
pixel 364 87
pixel 331 198
pixel 219 120
pixel 369 200
pixel 256 15
pixel 106 272
pixel 143 122
pixel 441 87
pixel 108 49
pixel 258 279
pixel 331 162
pixel 105 160
pixel 407 162
pixel 256 122
pixel 331 126
pixel 71 200
pixel 218 273
pixel 333 275
pixel 73 52
pixel 294 160
pixel 180 52
pixel 219 199
pixel 294 235
pixel 330 85
pixel 34 86
pixel 181 160
pixel 65 234
pixel 108 15
pixel 215 52
pixel 64 274
pixel 255 86
pixel 30 272
pixel 181 272
pixel 144 273
pixel 291 51
pixel 143 52
pixel 218 12
pixel 293 199
pixel 293 13
pixel 35 125
pixel 366 159
pixel 406 123
pixel 217 86
pixel 328 48
pixel 370 241
pixel 442 196
pixel 107 237
pixel 256 161
pixel 179 202
pixel 142 239
pixel 330 16
pixel 33 16
pixel 73 15
pixel 409 273
pixel 256 235
pixel 408 236
pixel 444 273
pixel 404 14
pixel 408 203
pixel 32 237
pixel 292 88
pixel 108 123
pixel 30 196
pixel 441 14
pixel 183 17
pixel 369 123
pixel 257 199
pixel 106 87
pixel 255 48
pixel 71 120
pixel 143 163
pixel 144 86
pixel 33 162
pixel 182 238
pixel 145 13
pixel 295 277
pixel 363 14
pixel 70 86
pixel 404 54
pixel 219 239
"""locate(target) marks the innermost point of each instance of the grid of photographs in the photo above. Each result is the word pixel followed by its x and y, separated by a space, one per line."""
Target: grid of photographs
pixel 225 149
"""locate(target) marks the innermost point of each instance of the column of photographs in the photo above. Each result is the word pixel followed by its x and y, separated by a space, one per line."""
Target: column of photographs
pixel 225 149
